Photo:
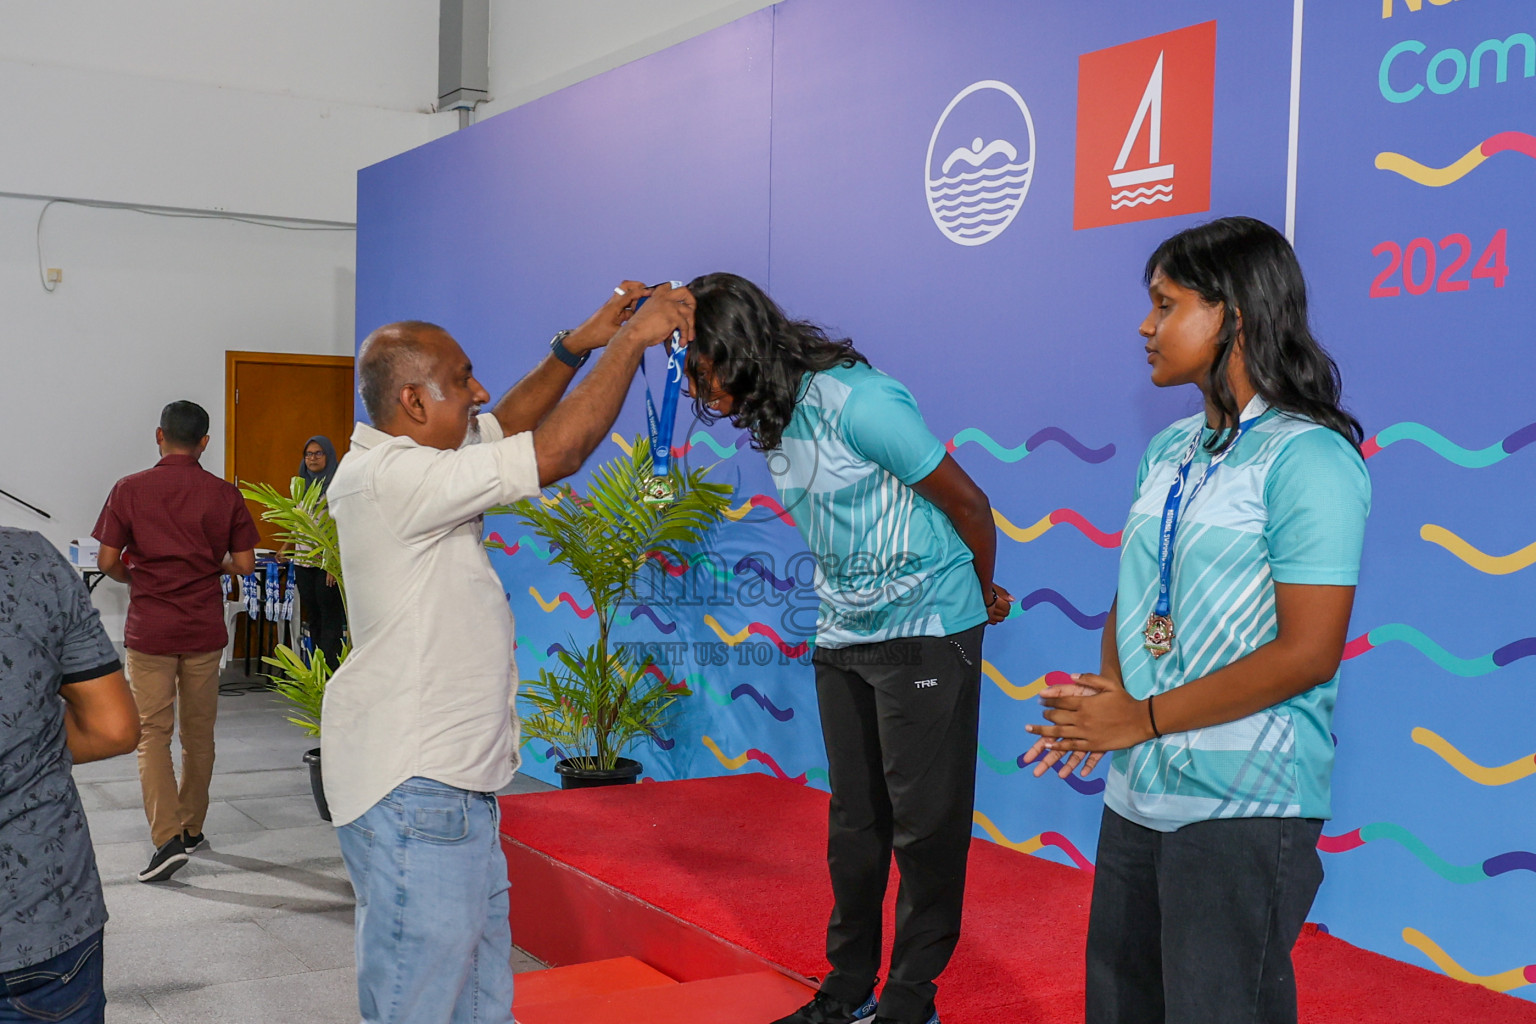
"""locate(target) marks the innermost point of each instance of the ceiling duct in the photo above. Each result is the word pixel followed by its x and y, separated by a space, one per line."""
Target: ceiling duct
pixel 463 56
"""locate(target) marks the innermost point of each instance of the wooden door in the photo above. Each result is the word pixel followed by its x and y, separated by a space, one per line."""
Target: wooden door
pixel 274 402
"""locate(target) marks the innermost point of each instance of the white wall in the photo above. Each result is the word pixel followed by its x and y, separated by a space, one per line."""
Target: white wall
pixel 146 310
pixel 255 106
pixel 264 107
pixel 373 53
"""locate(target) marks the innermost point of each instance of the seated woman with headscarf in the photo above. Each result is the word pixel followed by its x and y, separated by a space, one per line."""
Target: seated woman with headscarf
pixel 319 598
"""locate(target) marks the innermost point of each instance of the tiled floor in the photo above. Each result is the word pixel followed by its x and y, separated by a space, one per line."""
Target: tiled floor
pixel 257 929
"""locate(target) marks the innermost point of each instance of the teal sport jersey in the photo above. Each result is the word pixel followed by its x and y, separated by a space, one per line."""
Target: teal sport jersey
pixel 889 563
pixel 1287 505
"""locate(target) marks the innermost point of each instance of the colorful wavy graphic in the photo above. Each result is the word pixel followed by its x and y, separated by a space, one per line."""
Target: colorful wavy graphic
pixel 1450 451
pixel 704 558
pixel 748 690
pixel 1504 981
pixel 635 614
pixel 673 685
pixel 1438 177
pixel 1461 874
pixel 1464 667
pixel 494 540
pixel 759 501
pixel 766 760
pixel 1087 787
pixel 1080 619
pixel 700 438
pixel 1046 435
pixel 1000 766
pixel 1493 565
pixel 1034 844
pixel 581 610
pixel 1502 775
pixel 970 435
pixel 761 629
pixel 1029 690
pixel 699 684
pixel 753 565
pixel 1059 517
pixel 532 750
pixel 748 564
pixel 644 611
pixel 526 647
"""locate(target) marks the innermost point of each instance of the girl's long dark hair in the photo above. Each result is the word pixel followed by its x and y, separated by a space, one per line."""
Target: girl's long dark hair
pixel 757 355
pixel 1251 269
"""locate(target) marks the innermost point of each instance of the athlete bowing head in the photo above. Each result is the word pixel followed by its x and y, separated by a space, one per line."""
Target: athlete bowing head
pixel 905 544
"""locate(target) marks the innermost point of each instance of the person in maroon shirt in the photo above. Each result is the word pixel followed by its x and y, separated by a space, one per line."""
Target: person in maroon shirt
pixel 169 532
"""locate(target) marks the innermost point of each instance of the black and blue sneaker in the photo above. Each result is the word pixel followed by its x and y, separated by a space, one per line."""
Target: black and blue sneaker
pixel 823 1009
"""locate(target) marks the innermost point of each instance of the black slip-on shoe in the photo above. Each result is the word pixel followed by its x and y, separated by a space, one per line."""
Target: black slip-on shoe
pixel 823 1009
pixel 166 861
pixel 190 842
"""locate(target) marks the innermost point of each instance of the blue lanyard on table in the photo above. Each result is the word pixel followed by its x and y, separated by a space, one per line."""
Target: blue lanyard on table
pixel 1171 508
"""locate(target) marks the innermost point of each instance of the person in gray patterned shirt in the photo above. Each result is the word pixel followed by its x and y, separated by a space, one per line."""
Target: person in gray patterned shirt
pixel 63 701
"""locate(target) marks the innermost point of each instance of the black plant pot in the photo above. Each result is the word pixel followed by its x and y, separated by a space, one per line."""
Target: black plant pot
pixel 572 777
pixel 317 784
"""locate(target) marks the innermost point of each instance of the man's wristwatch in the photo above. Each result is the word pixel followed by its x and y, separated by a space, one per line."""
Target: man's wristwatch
pixel 565 355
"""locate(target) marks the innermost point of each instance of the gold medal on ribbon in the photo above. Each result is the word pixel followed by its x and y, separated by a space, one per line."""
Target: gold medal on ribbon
pixel 1159 634
pixel 658 490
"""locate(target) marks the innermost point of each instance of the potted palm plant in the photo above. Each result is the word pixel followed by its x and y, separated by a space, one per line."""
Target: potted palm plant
pixel 600 698
pixel 305 522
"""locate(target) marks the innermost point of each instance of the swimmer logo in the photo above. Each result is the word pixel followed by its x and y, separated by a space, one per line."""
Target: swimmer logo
pixel 1144 128
pixel 981 157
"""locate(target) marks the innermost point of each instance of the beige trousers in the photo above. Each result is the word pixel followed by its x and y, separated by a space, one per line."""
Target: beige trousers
pixel 161 682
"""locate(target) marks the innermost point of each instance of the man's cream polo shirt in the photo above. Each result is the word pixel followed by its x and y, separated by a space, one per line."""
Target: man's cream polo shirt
pixel 429 686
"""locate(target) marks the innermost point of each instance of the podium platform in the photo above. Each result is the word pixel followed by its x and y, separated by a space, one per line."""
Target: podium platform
pixel 706 901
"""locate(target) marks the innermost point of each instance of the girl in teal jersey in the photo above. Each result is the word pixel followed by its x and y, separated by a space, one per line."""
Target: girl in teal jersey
pixel 1220 657
pixel 904 545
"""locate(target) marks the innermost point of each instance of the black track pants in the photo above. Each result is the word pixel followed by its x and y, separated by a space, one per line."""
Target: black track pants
pixel 899 719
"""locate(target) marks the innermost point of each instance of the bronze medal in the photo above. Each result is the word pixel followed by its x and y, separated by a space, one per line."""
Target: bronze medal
pixel 1159 634
pixel 658 490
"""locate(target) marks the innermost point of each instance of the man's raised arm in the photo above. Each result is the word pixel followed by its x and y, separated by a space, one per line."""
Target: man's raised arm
pixel 575 427
pixel 530 400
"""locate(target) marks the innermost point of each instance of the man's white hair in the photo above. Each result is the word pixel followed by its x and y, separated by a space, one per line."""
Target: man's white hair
pixel 389 359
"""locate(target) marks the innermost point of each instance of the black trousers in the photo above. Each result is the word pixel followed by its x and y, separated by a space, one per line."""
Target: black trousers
pixel 1196 926
pixel 322 610
pixel 899 720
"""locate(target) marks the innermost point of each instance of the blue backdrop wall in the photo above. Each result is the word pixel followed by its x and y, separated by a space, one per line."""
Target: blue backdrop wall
pixel 969 191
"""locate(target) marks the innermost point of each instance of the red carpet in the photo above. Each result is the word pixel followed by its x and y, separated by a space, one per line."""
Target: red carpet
pixel 744 858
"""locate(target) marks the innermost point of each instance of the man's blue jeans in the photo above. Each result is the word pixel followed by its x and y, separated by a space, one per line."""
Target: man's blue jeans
pixel 65 989
pixel 433 942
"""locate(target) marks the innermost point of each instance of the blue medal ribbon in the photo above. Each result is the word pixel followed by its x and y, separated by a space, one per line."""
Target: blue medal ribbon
pixel 1159 631
pixel 661 426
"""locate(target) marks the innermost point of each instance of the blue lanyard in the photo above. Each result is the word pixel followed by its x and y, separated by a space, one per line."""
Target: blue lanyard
pixel 661 427
pixel 1171 507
